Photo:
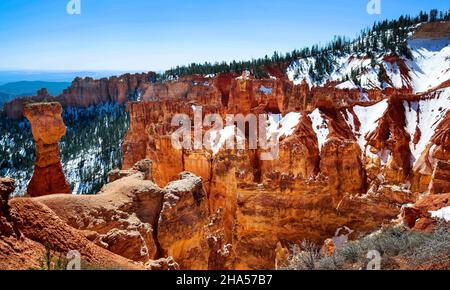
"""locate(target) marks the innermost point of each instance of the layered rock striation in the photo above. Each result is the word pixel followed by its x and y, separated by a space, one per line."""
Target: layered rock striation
pixel 349 164
pixel 342 161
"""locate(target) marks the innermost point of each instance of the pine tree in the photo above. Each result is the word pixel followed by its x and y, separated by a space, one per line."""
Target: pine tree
pixel 382 74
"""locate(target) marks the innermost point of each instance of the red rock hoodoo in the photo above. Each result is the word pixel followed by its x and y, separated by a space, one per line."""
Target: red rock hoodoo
pixel 48 128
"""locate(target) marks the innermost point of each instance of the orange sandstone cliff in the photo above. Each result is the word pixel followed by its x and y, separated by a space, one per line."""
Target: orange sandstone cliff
pixel 28 228
pixel 345 163
pixel 85 92
pixel 358 164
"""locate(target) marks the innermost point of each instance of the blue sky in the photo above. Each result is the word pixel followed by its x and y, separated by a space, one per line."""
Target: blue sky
pixel 141 35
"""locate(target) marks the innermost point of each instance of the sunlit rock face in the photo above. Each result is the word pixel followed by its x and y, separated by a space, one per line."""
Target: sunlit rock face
pixel 348 156
pixel 85 92
pixel 181 227
pixel 47 128
pixel 353 163
pixel 342 161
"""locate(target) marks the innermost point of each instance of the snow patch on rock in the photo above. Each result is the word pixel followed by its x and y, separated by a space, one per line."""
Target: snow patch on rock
pixel 346 85
pixel 320 127
pixel 425 115
pixel 431 63
pixel 283 126
pixel 219 138
pixel 368 118
pixel 443 213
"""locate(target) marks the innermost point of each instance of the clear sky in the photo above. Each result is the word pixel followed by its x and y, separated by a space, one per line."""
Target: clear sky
pixel 141 35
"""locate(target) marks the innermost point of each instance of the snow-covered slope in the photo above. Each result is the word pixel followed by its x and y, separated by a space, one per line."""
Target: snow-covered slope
pixel 283 126
pixel 443 213
pixel 343 66
pixel 429 68
pixel 422 118
pixel 277 125
pixel 320 127
pixel 431 64
pixel 426 115
pixel 368 118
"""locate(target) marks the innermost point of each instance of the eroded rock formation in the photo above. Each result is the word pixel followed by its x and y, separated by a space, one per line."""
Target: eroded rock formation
pixel 354 158
pixel 352 163
pixel 182 222
pixel 344 162
pixel 6 188
pixel 122 217
pixel 340 163
pixel 48 128
pixel 419 216
pixel 128 225
pixel 28 228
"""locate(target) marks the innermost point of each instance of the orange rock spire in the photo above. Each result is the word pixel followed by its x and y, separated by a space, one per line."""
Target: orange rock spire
pixel 48 128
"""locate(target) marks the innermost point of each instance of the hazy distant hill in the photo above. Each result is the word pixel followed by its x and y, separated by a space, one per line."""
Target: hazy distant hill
pixel 52 76
pixel 4 98
pixel 27 88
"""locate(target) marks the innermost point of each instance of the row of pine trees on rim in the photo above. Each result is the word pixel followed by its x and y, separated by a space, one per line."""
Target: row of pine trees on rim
pixel 388 36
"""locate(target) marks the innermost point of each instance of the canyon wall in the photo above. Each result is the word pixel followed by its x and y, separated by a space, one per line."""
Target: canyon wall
pixel 342 162
pixel 85 92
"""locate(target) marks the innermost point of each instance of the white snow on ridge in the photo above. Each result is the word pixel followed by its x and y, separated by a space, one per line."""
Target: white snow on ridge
pixel 299 71
pixel 368 117
pixel 218 138
pixel 429 68
pixel 346 85
pixel 343 67
pixel 283 127
pixel 369 79
pixel 443 213
pixel 431 64
pixel 394 74
pixel 320 127
pixel 426 115
pixel 276 124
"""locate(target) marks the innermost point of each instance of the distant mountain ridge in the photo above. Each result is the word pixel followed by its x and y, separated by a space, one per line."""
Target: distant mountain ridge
pixel 29 88
pixel 11 76
pixel 4 97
